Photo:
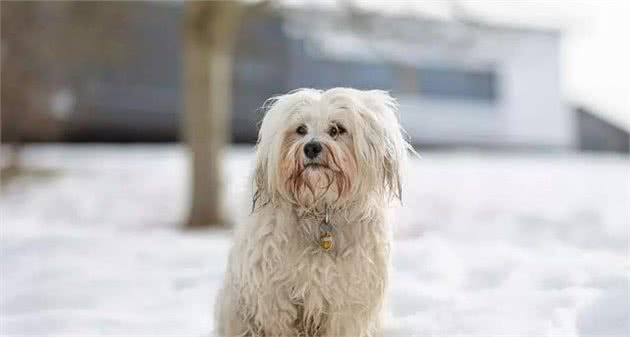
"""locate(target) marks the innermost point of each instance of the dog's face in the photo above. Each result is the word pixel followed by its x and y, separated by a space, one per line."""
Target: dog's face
pixel 329 147
pixel 317 158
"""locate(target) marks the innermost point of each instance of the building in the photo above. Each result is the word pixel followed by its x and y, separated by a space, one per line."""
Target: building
pixel 458 82
pixel 597 134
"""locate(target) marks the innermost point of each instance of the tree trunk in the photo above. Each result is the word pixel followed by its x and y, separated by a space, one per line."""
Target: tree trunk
pixel 210 28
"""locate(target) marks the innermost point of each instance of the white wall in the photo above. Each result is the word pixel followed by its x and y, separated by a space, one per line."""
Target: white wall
pixel 529 110
pixel 534 111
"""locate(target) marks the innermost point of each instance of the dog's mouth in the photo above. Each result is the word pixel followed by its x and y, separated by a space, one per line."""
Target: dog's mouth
pixel 313 165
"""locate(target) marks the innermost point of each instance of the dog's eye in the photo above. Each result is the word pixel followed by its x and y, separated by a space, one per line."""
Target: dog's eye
pixel 301 130
pixel 333 131
pixel 336 129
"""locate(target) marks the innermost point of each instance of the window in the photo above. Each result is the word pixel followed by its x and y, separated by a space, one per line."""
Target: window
pixel 457 84
pixel 332 73
pixel 324 72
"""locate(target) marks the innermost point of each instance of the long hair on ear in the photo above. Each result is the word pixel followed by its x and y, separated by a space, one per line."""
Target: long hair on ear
pixel 260 197
pixel 392 148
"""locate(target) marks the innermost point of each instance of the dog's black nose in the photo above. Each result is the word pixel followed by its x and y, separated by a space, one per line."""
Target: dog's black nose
pixel 312 149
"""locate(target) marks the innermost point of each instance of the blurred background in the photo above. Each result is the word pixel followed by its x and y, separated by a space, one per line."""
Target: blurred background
pixel 125 123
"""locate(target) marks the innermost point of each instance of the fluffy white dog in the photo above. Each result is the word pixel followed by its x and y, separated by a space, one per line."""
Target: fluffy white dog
pixel 313 257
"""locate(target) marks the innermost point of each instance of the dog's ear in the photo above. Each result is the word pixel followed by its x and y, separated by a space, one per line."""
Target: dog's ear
pixel 260 197
pixel 393 149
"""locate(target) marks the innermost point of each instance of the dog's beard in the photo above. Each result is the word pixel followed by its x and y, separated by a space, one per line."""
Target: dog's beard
pixel 327 179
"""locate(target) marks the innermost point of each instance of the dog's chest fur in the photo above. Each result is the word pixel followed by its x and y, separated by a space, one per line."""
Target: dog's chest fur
pixel 314 284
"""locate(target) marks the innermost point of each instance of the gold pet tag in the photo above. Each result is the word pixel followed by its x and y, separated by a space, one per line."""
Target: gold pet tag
pixel 325 237
pixel 326 241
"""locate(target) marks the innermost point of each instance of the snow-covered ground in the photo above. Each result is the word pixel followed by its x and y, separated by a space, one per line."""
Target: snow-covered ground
pixel 487 245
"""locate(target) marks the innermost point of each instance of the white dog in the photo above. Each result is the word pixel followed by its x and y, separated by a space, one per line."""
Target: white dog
pixel 313 257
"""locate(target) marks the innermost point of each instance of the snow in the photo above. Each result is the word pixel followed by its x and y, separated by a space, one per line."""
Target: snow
pixel 486 245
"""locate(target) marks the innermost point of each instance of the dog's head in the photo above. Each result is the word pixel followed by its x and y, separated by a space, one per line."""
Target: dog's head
pixel 329 146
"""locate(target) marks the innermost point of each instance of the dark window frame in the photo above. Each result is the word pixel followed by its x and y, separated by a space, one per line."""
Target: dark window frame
pixel 458 84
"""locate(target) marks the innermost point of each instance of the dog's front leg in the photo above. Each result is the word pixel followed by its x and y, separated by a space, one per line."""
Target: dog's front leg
pixel 359 324
pixel 273 316
pixel 276 314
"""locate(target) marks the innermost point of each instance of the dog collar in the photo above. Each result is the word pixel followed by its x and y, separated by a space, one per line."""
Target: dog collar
pixel 326 231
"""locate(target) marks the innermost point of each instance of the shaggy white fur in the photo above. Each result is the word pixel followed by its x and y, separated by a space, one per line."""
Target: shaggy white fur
pixel 325 159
